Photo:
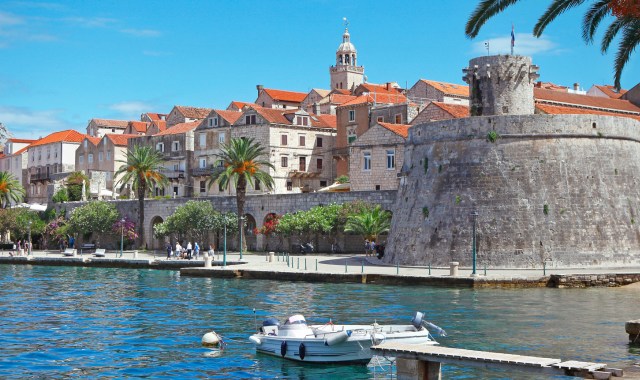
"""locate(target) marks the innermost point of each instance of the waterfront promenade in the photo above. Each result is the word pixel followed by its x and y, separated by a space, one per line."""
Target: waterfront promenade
pixel 340 268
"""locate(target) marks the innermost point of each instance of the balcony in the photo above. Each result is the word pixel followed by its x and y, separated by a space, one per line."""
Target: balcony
pixel 173 174
pixel 205 172
pixel 341 153
pixel 40 177
pixel 303 174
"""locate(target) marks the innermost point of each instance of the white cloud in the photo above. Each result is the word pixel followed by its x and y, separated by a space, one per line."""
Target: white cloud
pixel 142 32
pixel 7 19
pixel 525 44
pixel 131 110
pixel 91 22
pixel 25 122
pixel 154 53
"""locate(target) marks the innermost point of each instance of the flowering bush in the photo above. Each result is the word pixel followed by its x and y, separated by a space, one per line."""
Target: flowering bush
pixel 127 228
pixel 270 225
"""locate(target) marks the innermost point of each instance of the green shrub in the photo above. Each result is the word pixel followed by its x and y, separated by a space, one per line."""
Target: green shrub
pixel 492 136
pixel 425 212
pixel 545 209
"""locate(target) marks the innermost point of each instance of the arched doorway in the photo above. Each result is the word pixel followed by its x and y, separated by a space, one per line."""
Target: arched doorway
pixel 156 243
pixel 270 241
pixel 249 234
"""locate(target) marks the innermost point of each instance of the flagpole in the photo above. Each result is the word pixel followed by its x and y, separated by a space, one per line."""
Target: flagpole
pixel 513 38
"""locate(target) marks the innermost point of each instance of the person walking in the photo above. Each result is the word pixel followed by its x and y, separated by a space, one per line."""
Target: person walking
pixel 211 251
pixel 169 250
pixel 196 250
pixel 366 247
pixel 178 250
pixel 19 245
pixel 189 249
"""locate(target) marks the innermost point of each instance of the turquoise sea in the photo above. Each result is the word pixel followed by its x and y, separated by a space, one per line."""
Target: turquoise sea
pixel 69 322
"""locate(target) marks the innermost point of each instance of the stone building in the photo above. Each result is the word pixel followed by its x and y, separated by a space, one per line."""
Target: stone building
pixel 137 128
pixel 51 159
pixel 346 74
pixel 156 127
pixel 100 127
pixel 271 98
pixel 425 91
pixel 182 114
pixel 545 189
pixel 606 91
pixel 441 111
pixel 311 102
pixel 15 159
pixel 377 156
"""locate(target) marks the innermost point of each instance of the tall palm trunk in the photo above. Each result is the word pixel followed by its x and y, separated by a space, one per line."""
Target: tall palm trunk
pixel 141 191
pixel 241 193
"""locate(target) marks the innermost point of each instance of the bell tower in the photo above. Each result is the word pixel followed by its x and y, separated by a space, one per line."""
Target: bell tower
pixel 346 75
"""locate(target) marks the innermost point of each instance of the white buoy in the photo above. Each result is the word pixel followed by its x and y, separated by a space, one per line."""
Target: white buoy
pixel 211 339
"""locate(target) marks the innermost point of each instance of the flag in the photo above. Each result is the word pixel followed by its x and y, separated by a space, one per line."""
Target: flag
pixel 513 37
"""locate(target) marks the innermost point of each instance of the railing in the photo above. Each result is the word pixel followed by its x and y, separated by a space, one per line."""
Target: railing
pixel 173 174
pixel 40 177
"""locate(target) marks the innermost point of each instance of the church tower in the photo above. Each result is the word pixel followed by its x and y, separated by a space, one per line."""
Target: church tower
pixel 345 74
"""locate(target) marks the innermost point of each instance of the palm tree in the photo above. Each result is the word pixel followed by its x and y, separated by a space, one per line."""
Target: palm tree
pixel 141 169
pixel 75 188
pixel 10 189
pixel 242 162
pixel 369 223
pixel 626 23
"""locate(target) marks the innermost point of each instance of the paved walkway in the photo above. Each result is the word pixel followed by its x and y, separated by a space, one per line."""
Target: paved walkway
pixel 351 263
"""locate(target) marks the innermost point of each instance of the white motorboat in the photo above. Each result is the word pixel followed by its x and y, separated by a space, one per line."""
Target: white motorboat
pixel 334 343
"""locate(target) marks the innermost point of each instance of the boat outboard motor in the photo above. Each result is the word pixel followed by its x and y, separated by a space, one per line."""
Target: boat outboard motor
pixel 418 322
pixel 431 327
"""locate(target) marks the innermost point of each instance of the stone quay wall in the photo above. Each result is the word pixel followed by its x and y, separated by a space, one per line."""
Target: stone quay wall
pixel 560 190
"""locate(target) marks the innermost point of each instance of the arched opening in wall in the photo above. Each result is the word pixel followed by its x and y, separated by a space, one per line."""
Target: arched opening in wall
pixel 249 234
pixel 156 243
pixel 270 240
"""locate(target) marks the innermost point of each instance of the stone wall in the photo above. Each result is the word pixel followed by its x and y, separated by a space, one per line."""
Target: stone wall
pixel 376 141
pixel 552 187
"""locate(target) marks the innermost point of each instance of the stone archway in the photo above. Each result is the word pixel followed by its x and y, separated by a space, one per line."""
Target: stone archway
pixel 249 227
pixel 156 243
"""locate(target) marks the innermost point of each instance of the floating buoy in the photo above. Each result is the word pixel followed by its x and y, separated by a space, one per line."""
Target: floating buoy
pixel 211 339
pixel 302 350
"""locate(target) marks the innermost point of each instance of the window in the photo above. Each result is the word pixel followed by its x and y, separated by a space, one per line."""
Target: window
pixel 302 140
pixel 377 187
pixel 367 160
pixel 391 159
pixel 175 146
pixel 352 115
pixel 284 161
pixel 351 138
pixel 203 186
pixel 319 142
pixel 107 176
pixel 203 140
pixel 256 185
pixel 85 144
pixel 399 118
pixel 108 155
pixel 303 164
pixel 283 139
pixel 319 164
pixel 160 147
pixel 90 158
pixel 100 156
pixel 176 167
pixel 289 185
pixel 323 183
pixel 250 119
pixel 175 191
pixel 221 137
pixel 302 120
pixel 81 159
pixel 213 121
pixel 203 163
pixel 380 119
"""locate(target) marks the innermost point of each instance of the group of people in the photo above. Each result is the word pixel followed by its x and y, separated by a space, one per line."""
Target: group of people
pixel 187 252
pixel 371 248
pixel 21 248
pixel 67 243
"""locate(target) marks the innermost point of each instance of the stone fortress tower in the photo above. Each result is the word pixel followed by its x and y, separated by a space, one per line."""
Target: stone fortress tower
pixel 556 189
pixel 346 74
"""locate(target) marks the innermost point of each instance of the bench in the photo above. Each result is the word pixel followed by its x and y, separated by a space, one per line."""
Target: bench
pixel 100 252
pixel 87 248
pixel 69 252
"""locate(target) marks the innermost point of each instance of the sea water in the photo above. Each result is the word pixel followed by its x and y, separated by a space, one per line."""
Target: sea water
pixel 61 322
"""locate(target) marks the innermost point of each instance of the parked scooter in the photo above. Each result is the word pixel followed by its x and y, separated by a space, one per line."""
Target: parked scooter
pixel 305 248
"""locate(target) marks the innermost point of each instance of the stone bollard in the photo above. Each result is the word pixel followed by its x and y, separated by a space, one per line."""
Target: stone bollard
pixel 207 261
pixel 272 256
pixel 135 254
pixel 633 329
pixel 453 268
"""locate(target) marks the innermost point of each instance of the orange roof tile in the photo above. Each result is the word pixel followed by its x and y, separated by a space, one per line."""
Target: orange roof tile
pixel 179 128
pixel 272 115
pixel 156 116
pixel 551 86
pixel 377 98
pixel 340 98
pixel 119 140
pixel 93 140
pixel 193 112
pixel 139 126
pixel 240 105
pixel 286 96
pixel 379 88
pixel 577 100
pixel 21 150
pixel 399 129
pixel 161 124
pixel 20 140
pixel 455 110
pixel 610 91
pixel 449 88
pixel 340 91
pixel 560 110
pixel 69 135
pixel 329 121
pixel 229 116
pixel 110 123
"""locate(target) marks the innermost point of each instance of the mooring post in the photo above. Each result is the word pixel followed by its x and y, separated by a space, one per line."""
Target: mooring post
pixel 418 369
pixel 362 269
pixel 485 270
pixel 316 265
pixel 305 263
pixel 429 269
pixel 345 265
pixel 397 268
pixel 298 263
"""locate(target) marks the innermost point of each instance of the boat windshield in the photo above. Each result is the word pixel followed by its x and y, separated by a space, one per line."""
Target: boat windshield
pixel 296 320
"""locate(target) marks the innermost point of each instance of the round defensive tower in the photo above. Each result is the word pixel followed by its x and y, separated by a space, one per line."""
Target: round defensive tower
pixel 559 190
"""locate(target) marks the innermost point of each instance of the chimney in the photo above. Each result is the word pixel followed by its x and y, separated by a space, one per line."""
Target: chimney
pixel 388 85
pixel 576 86
pixel 259 87
pixel 316 108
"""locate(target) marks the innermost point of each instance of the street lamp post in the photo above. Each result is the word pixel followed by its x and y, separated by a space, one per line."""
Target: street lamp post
pixel 473 249
pixel 121 236
pixel 224 255
pixel 241 230
pixel 29 249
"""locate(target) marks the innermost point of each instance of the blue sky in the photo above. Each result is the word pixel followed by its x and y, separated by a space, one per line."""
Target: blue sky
pixel 65 62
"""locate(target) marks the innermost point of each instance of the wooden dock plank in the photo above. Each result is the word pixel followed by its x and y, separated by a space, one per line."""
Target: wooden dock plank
pixel 574 364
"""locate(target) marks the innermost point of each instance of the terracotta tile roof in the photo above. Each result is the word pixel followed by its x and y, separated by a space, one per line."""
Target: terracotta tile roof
pixel 326 121
pixel 193 112
pixel 272 115
pixel 577 100
pixel 156 116
pixel 240 105
pixel 161 124
pixel 455 110
pixel 119 140
pixel 286 96
pixel 93 140
pixel 139 126
pixel 379 88
pixel 449 88
pixel 340 91
pixel 20 140
pixel 610 91
pixel 69 135
pixel 179 128
pixel 320 91
pixel 110 123
pixel 229 116
pixel 340 98
pixel 377 98
pixel 21 150
pixel 560 110
pixel 399 129
pixel 551 86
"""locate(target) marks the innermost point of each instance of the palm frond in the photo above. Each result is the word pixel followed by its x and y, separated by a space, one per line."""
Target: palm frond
pixel 628 43
pixel 485 10
pixel 592 19
pixel 556 8
pixel 611 33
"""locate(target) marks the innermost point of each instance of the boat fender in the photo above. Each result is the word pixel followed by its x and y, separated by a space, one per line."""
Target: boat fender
pixel 302 351
pixel 283 348
pixel 417 320
pixel 336 338
pixel 255 340
pixel 211 339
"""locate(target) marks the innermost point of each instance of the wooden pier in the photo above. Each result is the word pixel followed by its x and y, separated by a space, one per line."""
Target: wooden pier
pixel 419 362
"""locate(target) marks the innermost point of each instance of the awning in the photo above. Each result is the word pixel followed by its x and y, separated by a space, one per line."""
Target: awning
pixel 32 206
pixel 336 188
pixel 105 193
